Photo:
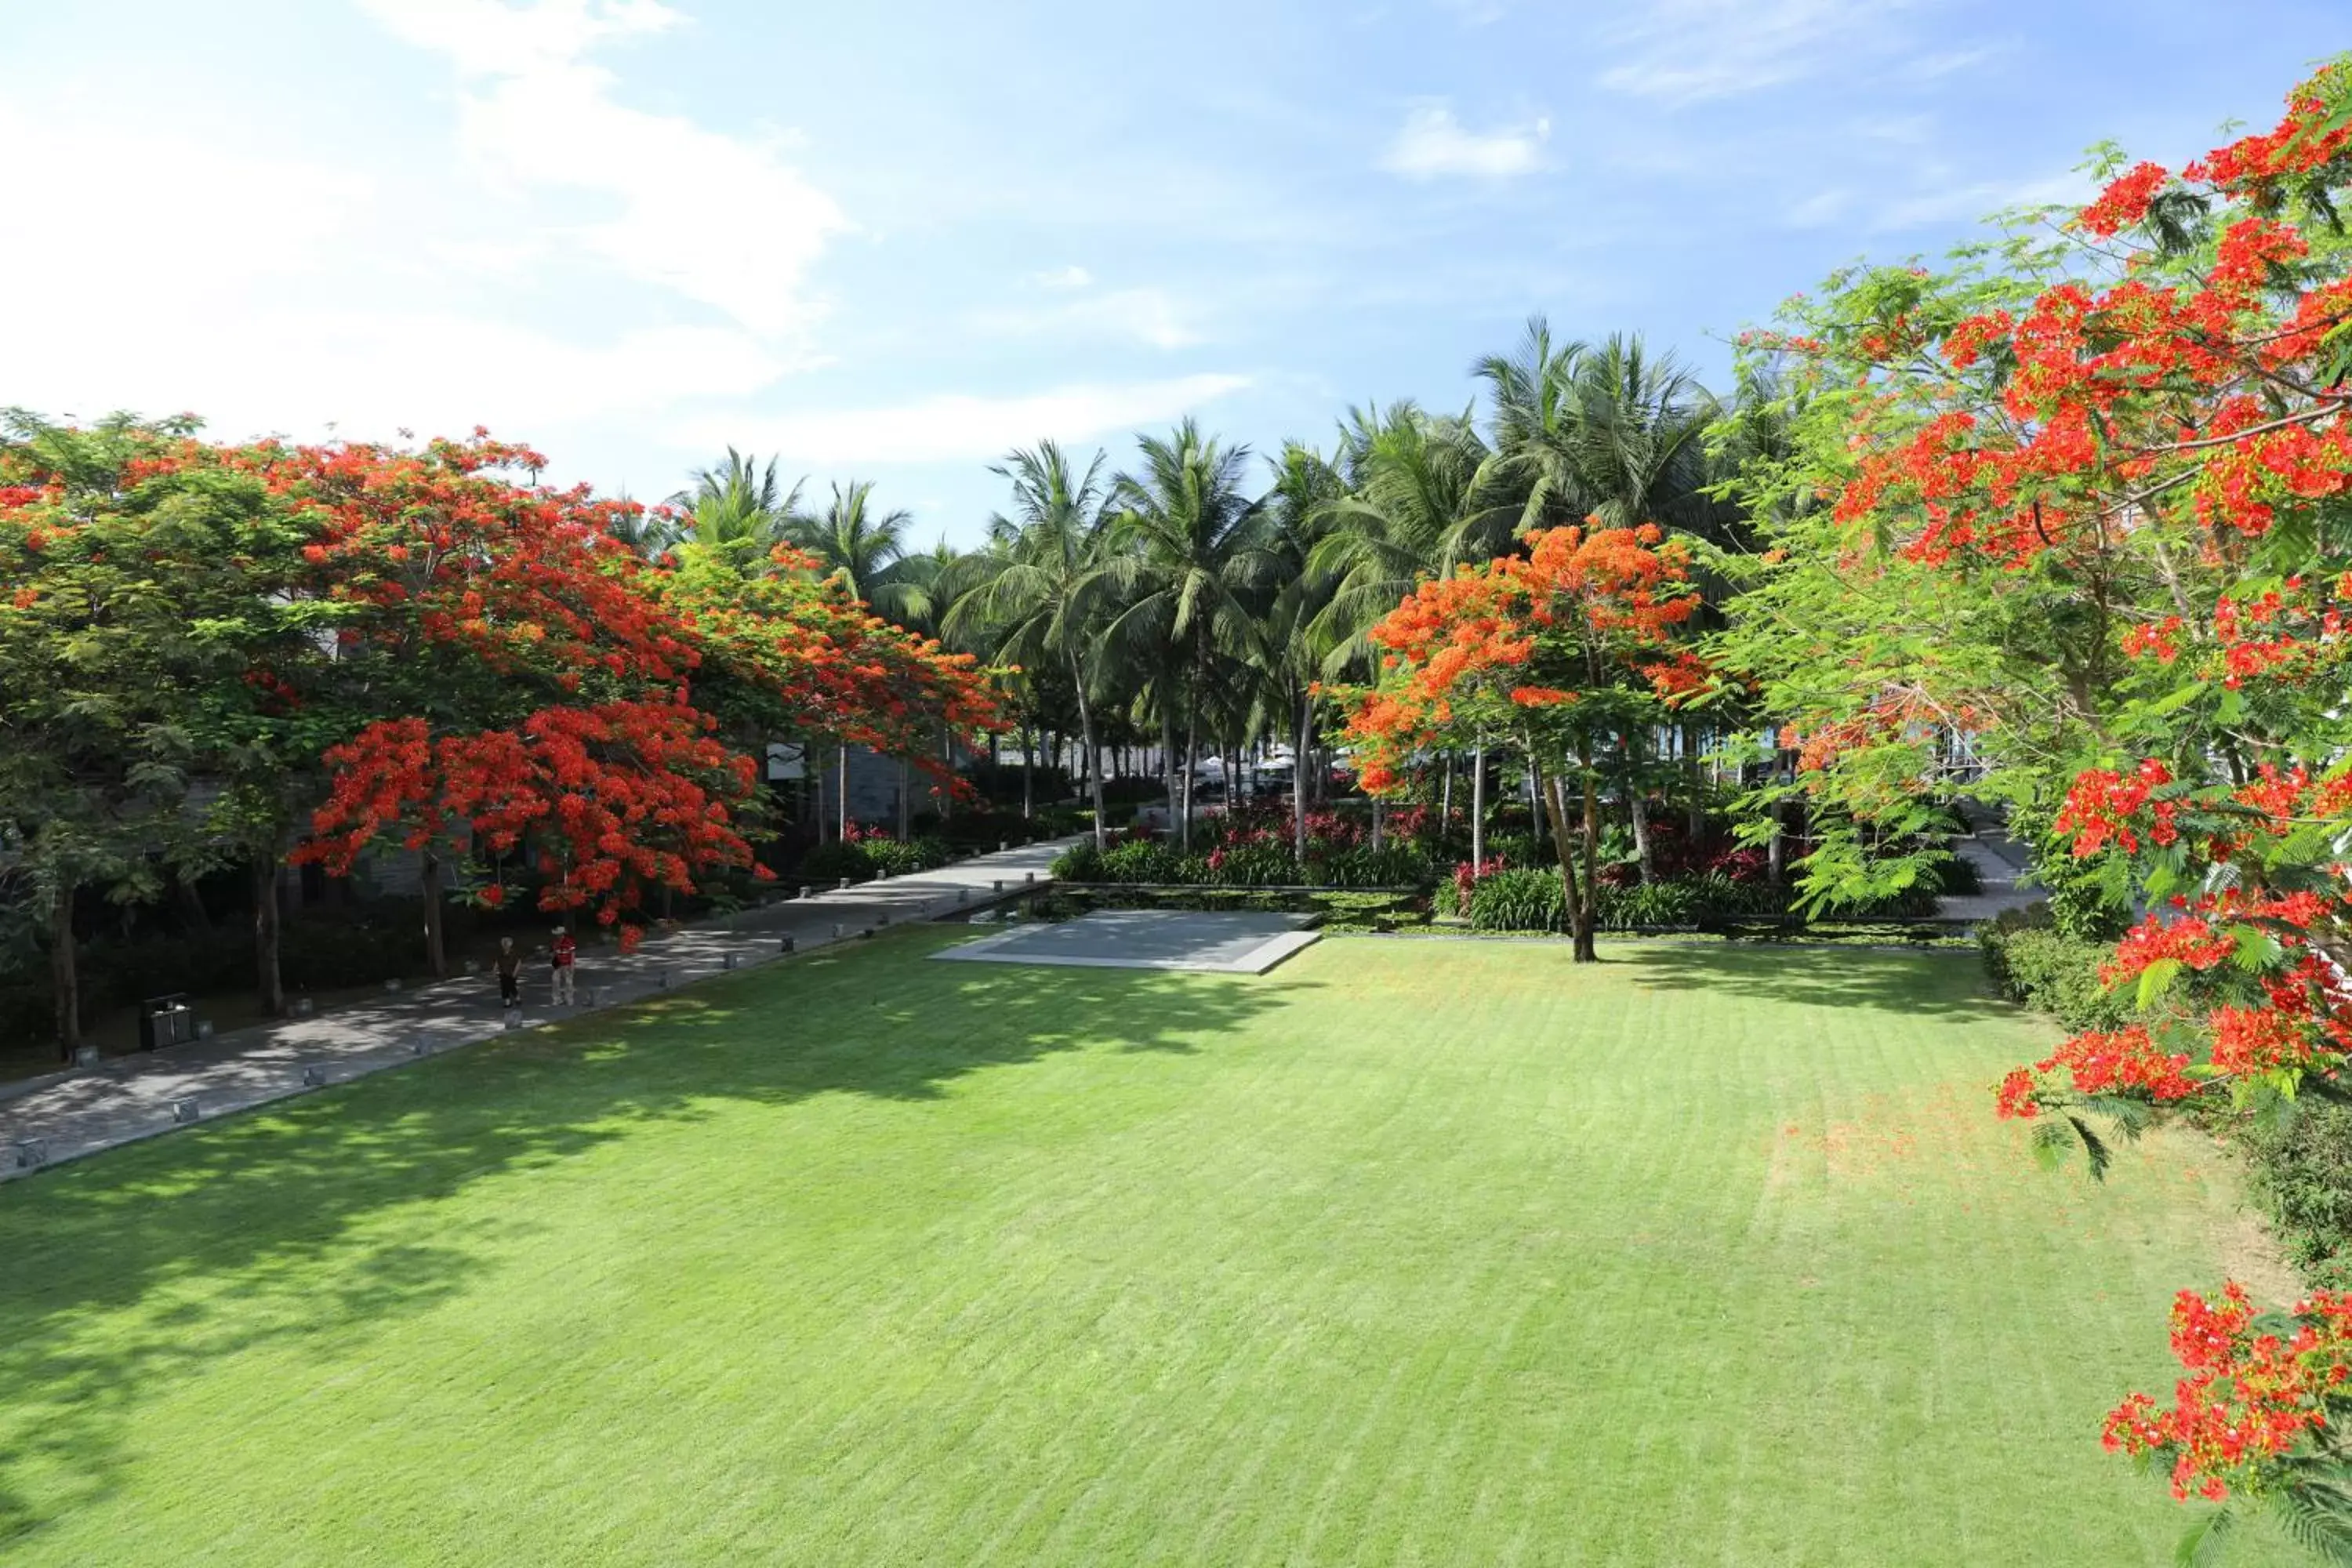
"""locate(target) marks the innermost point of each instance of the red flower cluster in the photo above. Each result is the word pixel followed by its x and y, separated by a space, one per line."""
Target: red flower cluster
pixel 2255 1389
pixel 2103 807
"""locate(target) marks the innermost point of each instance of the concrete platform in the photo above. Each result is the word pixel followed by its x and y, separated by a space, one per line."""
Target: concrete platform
pixel 1220 944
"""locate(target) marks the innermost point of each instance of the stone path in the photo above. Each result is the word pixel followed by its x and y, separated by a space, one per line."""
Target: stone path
pixel 65 1115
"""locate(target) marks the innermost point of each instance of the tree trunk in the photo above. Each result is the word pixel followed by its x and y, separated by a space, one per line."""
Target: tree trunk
pixel 1378 840
pixel 1477 807
pixel 268 976
pixel 1028 772
pixel 842 788
pixel 1638 808
pixel 1586 915
pixel 65 980
pixel 1167 759
pixel 1691 750
pixel 1191 765
pixel 1094 771
pixel 1774 854
pixel 1306 741
pixel 437 954
pixel 1553 795
pixel 906 798
pixel 1446 801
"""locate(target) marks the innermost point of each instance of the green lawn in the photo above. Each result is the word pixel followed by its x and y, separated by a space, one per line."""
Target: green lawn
pixel 1409 1252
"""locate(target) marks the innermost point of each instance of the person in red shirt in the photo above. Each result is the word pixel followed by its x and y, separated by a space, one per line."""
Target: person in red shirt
pixel 565 953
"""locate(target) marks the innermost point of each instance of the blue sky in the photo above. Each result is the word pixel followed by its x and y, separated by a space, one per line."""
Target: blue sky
pixel 889 241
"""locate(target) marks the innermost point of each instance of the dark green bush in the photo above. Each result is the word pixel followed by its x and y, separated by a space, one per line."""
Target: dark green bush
pixel 1390 866
pixel 900 857
pixel 829 862
pixel 2302 1168
pixel 1523 899
pixel 1658 904
pixel 1079 863
pixel 1148 860
pixel 2053 973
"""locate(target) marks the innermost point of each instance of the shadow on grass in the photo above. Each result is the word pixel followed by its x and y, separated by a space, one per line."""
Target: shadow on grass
pixel 123 1273
pixel 1944 985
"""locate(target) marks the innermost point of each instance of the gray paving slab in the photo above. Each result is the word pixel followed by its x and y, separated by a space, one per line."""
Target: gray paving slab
pixel 60 1117
pixel 1236 942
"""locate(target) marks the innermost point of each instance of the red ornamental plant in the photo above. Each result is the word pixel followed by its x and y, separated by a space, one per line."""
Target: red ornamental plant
pixel 1568 648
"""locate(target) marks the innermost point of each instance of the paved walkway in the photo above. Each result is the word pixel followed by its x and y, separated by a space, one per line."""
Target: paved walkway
pixel 65 1115
pixel 2000 860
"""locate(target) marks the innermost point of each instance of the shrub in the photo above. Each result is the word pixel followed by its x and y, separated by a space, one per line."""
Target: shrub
pixel 1252 865
pixel 1147 860
pixel 2053 973
pixel 900 857
pixel 829 862
pixel 1526 899
pixel 1658 904
pixel 1398 865
pixel 1079 863
pixel 2302 1168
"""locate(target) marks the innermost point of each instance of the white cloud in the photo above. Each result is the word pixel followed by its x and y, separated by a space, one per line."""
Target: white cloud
pixel 716 218
pixel 959 427
pixel 1063 277
pixel 1684 51
pixel 1432 142
pixel 1963 204
pixel 1142 315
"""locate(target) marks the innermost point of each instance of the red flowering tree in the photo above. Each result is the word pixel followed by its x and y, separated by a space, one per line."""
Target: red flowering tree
pixel 1570 648
pixel 2122 461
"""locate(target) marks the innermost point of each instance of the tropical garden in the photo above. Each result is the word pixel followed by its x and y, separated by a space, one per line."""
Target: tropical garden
pixel 2054 535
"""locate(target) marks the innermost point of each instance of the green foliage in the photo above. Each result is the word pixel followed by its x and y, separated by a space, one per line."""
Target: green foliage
pixel 1390 866
pixel 2302 1165
pixel 829 862
pixel 2053 973
pixel 1523 900
pixel 901 858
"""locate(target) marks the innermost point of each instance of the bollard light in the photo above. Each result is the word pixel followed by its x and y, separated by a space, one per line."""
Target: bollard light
pixel 997 886
pixel 313 1076
pixel 32 1153
pixel 391 984
pixel 881 920
pixel 85 1056
pixel 203 1028
pixel 785 945
pixel 662 980
pixel 1030 877
pixel 302 1006
pixel 420 1047
pixel 846 885
pixel 837 930
pixel 728 962
pixel 183 1112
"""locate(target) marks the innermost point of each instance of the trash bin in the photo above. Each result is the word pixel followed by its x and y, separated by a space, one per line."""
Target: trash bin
pixel 166 1021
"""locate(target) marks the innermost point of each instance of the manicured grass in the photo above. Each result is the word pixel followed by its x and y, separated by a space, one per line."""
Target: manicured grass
pixel 1409 1252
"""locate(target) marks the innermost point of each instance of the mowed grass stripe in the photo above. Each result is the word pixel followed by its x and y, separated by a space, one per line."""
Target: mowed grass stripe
pixel 1405 1253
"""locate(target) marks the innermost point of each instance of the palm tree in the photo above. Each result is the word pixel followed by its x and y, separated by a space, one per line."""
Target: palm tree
pixel 737 513
pixel 1609 432
pixel 1303 513
pixel 1034 597
pixel 1419 500
pixel 1189 571
pixel 859 544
